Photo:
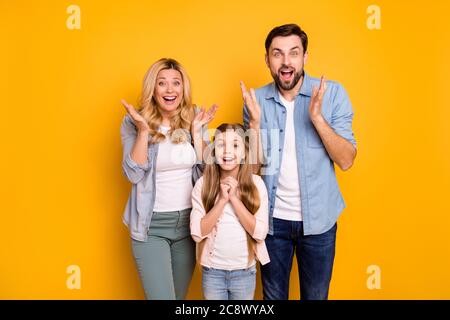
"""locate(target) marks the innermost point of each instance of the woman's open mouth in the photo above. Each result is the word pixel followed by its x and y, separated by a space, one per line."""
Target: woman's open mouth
pixel 169 100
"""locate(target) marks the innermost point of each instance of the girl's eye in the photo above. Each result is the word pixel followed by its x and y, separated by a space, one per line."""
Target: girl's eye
pixel 161 83
pixel 177 83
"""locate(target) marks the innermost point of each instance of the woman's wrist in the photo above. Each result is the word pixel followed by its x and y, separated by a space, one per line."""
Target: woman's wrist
pixel 143 132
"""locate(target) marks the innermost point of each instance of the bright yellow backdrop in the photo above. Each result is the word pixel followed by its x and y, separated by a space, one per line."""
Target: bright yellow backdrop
pixel 63 192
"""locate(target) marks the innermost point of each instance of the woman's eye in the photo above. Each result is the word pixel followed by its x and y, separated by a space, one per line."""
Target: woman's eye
pixel 177 84
pixel 161 83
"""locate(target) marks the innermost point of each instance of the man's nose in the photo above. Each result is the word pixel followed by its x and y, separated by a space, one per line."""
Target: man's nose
pixel 286 61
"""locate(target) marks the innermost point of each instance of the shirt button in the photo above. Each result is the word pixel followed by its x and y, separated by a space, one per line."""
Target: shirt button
pixel 279 149
pixel 281 130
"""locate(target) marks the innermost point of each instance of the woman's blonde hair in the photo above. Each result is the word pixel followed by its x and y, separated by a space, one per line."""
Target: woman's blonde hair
pixel 183 115
pixel 211 176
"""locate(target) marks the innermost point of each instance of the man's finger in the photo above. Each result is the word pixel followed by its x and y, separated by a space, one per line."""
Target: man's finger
pixel 315 93
pixel 243 88
pixel 253 94
pixel 323 86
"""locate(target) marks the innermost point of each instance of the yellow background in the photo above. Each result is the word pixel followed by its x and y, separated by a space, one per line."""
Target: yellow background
pixel 63 191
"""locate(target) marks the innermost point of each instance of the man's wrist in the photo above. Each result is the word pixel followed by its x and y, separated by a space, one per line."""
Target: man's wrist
pixel 318 120
pixel 254 124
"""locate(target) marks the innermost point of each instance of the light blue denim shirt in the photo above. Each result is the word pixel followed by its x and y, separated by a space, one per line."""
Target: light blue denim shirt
pixel 139 208
pixel 321 199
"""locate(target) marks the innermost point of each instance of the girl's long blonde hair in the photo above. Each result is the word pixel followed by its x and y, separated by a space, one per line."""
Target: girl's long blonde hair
pixel 211 176
pixel 183 115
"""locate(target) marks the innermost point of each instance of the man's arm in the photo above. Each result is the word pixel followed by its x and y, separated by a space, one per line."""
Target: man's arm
pixel 252 115
pixel 340 150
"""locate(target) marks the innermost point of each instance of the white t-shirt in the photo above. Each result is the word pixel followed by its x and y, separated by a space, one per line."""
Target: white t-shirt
pixel 230 246
pixel 287 197
pixel 173 174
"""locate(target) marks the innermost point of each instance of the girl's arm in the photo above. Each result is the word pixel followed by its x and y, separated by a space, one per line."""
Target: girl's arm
pixel 256 225
pixel 247 220
pixel 209 220
pixel 201 223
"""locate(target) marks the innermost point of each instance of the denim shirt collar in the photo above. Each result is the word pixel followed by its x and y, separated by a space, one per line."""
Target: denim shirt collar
pixel 305 89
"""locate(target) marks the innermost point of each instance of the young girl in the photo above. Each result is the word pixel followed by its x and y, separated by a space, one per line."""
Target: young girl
pixel 229 218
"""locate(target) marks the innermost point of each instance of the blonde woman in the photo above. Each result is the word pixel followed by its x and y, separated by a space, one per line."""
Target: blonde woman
pixel 163 143
pixel 229 218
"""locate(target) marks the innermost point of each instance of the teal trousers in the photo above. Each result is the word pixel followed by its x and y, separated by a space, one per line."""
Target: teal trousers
pixel 167 260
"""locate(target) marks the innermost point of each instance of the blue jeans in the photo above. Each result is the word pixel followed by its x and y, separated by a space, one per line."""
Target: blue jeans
pixel 315 257
pixel 228 285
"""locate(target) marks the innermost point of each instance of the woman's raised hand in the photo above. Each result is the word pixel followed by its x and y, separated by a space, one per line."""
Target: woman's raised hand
pixel 138 119
pixel 203 117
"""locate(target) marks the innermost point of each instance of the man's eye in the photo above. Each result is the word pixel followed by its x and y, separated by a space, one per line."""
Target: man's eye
pixel 277 54
pixel 295 53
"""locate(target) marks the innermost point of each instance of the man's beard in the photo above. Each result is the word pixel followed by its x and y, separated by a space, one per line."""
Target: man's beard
pixel 287 86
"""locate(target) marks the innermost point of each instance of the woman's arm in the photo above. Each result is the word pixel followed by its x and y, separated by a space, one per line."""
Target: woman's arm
pixel 134 134
pixel 202 118
pixel 140 148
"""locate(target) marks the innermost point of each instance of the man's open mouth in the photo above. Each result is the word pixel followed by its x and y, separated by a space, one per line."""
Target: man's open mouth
pixel 286 75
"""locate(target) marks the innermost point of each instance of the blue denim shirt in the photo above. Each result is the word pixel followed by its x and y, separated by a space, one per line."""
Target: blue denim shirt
pixel 321 199
pixel 139 208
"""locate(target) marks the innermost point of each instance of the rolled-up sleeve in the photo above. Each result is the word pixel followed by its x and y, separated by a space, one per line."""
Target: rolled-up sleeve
pixel 342 115
pixel 132 170
pixel 262 215
pixel 245 117
pixel 197 213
